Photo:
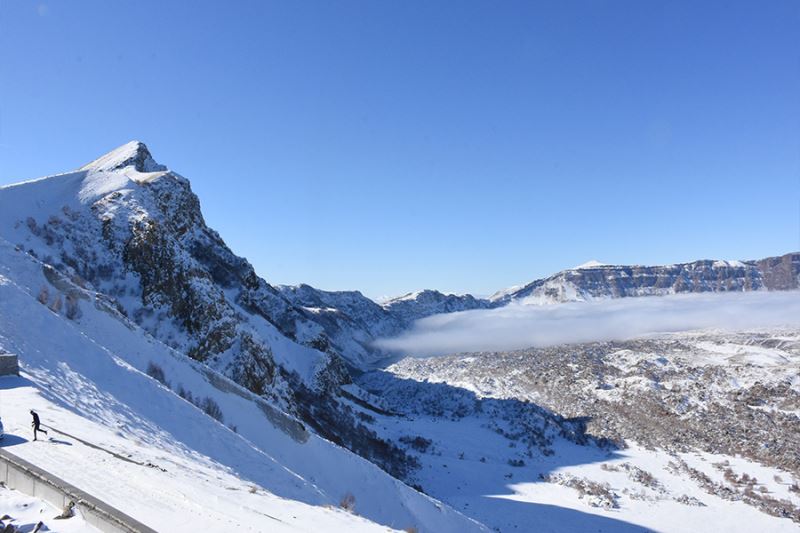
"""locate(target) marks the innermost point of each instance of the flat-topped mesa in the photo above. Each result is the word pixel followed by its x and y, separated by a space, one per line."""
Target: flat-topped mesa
pixel 592 280
pixel 133 154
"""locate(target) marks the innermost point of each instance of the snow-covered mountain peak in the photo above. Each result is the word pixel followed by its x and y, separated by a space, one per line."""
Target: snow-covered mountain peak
pixel 132 154
pixel 409 296
pixel 589 264
pixel 420 304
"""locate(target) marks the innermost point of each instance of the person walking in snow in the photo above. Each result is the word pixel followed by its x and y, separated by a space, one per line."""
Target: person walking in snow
pixel 36 424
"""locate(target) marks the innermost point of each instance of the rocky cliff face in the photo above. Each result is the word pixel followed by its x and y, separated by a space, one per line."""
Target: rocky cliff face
pixel 610 281
pixel 780 273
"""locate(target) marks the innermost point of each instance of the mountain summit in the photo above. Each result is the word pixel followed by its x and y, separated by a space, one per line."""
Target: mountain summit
pixel 132 154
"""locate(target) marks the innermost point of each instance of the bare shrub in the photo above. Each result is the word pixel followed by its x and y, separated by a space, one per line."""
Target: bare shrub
pixel 420 444
pixel 596 494
pixel 685 499
pixel 348 503
pixel 44 296
pixel 156 372
pixel 56 305
pixel 211 408
pixel 185 394
pixel 72 310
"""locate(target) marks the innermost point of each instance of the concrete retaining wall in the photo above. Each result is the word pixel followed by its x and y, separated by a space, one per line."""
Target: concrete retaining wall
pixel 27 478
pixel 9 365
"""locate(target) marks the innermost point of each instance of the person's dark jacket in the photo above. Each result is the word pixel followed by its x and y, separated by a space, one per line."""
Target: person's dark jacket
pixel 36 420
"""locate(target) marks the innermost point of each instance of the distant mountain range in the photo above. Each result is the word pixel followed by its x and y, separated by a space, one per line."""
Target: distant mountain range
pixel 352 321
pixel 622 281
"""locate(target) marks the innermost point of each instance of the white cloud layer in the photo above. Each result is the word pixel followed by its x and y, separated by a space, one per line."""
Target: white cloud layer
pixel 519 326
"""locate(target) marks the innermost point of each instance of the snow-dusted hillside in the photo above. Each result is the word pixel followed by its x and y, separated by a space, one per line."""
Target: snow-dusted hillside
pixel 596 280
pixel 350 320
pixel 422 304
pixel 672 433
pixel 167 440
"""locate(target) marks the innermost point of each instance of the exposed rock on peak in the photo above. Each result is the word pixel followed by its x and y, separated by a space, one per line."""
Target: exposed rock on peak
pixel 133 154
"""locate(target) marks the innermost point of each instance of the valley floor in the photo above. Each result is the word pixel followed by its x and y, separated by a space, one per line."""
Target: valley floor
pixel 581 488
pixel 474 421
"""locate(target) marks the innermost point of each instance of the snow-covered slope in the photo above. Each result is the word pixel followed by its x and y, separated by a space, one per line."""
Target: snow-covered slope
pixel 167 440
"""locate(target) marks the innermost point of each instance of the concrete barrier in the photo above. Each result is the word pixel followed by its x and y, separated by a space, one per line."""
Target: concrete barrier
pixel 9 365
pixel 27 478
pixel 289 425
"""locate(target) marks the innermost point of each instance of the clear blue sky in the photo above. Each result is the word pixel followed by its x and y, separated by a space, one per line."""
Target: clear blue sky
pixel 388 146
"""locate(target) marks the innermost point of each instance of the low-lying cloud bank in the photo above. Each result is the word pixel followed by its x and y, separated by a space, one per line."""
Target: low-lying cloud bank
pixel 519 326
